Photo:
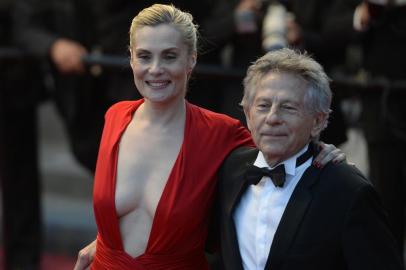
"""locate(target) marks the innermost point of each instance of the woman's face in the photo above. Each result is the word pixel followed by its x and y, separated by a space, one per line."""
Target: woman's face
pixel 161 63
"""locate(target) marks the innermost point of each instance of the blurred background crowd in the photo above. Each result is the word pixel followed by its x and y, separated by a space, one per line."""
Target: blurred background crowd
pixel 74 54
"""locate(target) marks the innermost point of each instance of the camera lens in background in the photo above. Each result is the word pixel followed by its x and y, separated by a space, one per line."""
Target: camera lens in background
pixel 274 28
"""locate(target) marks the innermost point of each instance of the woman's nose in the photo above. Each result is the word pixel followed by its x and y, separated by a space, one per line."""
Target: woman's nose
pixel 156 67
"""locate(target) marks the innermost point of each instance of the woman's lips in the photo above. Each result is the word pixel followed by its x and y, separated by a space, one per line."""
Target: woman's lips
pixel 158 84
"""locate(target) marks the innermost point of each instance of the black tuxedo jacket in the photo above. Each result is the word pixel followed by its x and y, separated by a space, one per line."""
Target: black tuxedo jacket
pixel 333 220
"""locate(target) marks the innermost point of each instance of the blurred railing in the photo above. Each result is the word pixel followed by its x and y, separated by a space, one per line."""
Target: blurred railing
pixel 119 62
pixel 7 53
pixel 350 84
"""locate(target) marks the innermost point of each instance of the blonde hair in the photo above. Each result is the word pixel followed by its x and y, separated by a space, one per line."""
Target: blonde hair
pixel 167 14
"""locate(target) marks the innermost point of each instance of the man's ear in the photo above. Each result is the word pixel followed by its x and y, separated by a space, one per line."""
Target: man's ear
pixel 247 117
pixel 319 123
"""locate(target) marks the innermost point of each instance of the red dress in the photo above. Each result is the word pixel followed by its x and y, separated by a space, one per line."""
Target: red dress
pixel 180 225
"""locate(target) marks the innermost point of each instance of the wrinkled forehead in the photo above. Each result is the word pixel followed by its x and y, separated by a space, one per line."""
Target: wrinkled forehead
pixel 281 80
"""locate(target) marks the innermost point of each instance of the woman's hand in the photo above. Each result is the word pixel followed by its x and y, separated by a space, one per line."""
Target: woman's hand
pixel 85 256
pixel 328 153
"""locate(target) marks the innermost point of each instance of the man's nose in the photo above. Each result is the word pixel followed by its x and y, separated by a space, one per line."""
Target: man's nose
pixel 273 117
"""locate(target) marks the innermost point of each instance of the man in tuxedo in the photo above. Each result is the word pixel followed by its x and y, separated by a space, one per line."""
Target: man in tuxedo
pixel 277 209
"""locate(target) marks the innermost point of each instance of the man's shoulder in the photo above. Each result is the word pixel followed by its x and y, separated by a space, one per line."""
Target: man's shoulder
pixel 241 155
pixel 237 161
pixel 344 176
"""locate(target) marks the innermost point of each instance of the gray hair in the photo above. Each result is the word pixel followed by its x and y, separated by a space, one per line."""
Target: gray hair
pixel 167 14
pixel 318 97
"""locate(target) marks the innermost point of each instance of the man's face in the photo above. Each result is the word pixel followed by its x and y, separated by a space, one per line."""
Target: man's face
pixel 279 123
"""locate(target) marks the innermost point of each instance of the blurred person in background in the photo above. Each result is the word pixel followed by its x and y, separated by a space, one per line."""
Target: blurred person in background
pixel 20 93
pixel 380 28
pixel 59 33
pixel 305 32
pixel 243 46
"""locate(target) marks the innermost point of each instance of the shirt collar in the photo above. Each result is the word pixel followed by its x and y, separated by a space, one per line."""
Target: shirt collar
pixel 290 163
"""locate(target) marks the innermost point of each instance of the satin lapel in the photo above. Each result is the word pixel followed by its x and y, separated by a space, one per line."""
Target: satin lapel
pixel 292 218
pixel 239 185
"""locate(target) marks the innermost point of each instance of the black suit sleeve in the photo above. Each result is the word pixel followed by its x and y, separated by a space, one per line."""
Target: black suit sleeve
pixel 367 241
pixel 31 16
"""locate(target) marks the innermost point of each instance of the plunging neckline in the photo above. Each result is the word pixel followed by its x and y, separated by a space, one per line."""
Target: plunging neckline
pixel 165 189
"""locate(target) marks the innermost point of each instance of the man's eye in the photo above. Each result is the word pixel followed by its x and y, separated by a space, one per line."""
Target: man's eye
pixel 288 107
pixel 263 106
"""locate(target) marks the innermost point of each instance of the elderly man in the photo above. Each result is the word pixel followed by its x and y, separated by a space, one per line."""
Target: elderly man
pixel 277 210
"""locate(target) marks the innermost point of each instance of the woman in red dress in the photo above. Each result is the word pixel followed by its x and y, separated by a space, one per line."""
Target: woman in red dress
pixel 156 171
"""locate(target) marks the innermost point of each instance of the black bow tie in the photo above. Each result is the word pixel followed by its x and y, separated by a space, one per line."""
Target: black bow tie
pixel 254 174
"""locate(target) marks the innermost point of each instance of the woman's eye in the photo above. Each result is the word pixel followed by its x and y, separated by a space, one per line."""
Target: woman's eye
pixel 143 56
pixel 170 56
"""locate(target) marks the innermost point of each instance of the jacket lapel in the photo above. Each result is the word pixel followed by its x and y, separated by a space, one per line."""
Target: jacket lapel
pixel 241 186
pixel 292 218
pixel 238 185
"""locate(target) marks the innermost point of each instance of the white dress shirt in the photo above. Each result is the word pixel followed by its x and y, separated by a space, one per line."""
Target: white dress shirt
pixel 260 210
